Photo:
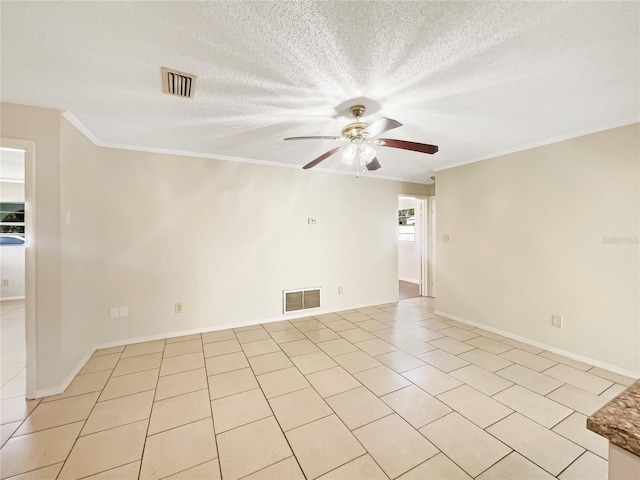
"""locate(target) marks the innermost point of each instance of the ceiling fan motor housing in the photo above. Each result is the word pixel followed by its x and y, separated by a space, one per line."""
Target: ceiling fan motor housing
pixel 354 130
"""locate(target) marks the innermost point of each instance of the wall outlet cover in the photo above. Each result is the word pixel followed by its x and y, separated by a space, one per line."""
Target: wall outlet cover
pixel 115 312
pixel 5 283
pixel 178 307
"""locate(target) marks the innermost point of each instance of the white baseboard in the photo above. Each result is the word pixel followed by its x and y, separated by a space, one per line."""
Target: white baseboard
pixel 226 326
pixel 559 351
pixel 410 280
pixel 47 392
pixel 2 299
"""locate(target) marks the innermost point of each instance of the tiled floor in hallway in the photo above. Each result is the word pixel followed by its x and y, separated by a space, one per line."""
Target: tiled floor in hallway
pixel 12 349
pixel 391 391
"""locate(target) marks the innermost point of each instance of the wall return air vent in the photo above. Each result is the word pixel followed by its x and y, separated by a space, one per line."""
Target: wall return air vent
pixel 304 299
pixel 178 83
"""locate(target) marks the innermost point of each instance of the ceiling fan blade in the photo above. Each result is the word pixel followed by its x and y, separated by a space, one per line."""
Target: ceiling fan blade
pixel 373 164
pixel 322 157
pixel 405 145
pixel 314 138
pixel 381 126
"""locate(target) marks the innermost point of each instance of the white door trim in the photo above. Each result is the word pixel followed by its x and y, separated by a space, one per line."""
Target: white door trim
pixel 31 330
pixel 427 248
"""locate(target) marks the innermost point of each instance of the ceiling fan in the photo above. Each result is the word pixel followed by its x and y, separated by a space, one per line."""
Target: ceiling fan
pixel 361 136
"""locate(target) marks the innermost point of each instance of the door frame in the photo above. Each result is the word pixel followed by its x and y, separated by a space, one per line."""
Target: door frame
pixel 427 247
pixel 30 271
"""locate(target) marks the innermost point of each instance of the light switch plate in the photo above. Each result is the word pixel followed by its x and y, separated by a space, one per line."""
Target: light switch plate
pixel 556 321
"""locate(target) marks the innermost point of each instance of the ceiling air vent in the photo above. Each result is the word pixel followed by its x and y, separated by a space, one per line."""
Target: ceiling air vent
pixel 178 83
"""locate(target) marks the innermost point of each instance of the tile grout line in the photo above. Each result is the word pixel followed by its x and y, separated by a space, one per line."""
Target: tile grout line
pixel 521 453
pixel 86 419
pixel 337 416
pixel 193 466
pixel 213 421
pixel 460 466
pixel 107 470
pixel 276 420
pixel 574 461
pixel 522 414
pixel 146 434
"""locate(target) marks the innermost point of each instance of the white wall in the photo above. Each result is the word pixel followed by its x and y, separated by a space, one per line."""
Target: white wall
pixel 12 256
pixel 410 253
pixel 226 238
pixel 526 241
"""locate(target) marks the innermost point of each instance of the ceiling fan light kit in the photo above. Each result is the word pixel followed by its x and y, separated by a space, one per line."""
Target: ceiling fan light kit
pixel 361 135
pixel 363 152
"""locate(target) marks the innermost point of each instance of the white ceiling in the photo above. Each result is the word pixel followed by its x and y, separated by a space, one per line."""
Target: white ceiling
pixel 476 78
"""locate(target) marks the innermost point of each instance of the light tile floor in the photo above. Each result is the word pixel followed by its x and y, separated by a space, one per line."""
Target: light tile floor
pixel 384 392
pixel 12 349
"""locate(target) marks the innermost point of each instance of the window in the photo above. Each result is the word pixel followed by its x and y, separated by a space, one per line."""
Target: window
pixel 407 225
pixel 12 219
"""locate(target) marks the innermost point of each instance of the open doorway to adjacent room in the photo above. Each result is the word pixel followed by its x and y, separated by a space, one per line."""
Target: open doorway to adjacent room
pixel 416 249
pixel 18 369
pixel 12 272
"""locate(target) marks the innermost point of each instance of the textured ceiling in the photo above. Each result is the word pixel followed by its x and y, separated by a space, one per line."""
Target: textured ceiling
pixel 476 78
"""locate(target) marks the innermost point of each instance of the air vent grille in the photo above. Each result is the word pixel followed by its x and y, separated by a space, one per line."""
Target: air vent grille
pixel 178 83
pixel 302 299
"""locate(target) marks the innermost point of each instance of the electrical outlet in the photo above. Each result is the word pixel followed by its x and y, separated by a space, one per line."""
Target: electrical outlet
pixel 178 307
pixel 123 311
pixel 340 290
pixel 5 283
pixel 311 221
pixel 115 312
pixel 445 238
pixel 556 321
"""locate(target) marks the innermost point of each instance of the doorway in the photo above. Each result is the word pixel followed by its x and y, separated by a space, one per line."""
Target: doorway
pixel 17 270
pixel 12 272
pixel 416 248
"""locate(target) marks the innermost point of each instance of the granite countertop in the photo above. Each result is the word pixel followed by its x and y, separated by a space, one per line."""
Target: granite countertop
pixel 619 420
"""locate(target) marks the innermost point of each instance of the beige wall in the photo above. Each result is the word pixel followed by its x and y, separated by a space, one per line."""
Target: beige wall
pixel 42 126
pixel 65 179
pixel 526 241
pixel 227 238
pixel 148 230
pixel 78 244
